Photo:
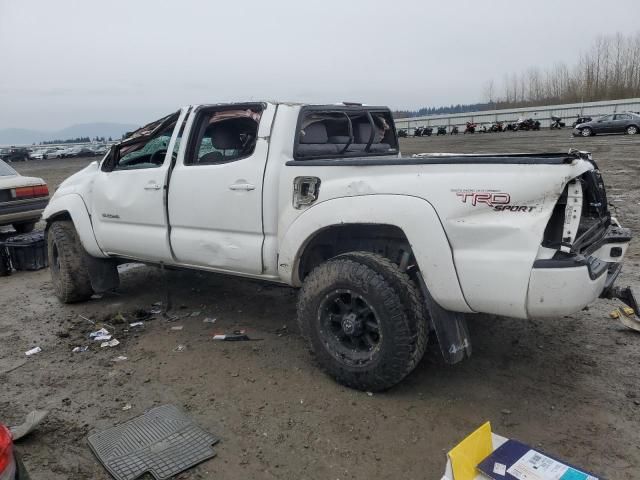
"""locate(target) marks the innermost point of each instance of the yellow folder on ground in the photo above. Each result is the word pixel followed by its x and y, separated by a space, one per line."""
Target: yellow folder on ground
pixel 470 452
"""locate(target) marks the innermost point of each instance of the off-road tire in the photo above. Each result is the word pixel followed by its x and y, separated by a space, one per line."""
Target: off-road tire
pixel 400 314
pixel 68 263
pixel 24 227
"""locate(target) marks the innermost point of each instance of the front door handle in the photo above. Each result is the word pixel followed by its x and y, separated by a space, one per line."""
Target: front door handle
pixel 242 186
pixel 153 186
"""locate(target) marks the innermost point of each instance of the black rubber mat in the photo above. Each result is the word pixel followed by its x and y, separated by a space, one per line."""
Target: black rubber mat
pixel 163 442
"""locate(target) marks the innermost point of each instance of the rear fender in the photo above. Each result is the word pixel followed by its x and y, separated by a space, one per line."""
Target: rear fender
pixel 428 241
pixel 73 206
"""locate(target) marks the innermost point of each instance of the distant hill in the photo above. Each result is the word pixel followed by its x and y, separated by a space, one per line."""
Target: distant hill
pixel 23 136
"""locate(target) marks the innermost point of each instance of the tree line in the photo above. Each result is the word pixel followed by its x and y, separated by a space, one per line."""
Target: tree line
pixel 608 70
pixel 76 140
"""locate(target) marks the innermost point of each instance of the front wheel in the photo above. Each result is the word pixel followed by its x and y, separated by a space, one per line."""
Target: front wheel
pixel 632 130
pixel 364 319
pixel 68 263
pixel 586 132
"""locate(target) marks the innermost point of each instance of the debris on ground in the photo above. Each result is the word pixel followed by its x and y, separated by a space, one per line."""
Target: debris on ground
pixel 496 457
pixel 120 358
pixel 136 324
pixel 196 313
pixel 31 422
pixel 33 351
pixel 282 331
pixel 236 336
pixel 126 407
pixel 177 328
pixel 87 319
pixel 163 442
pixel 99 333
pixel 141 314
pixel 209 320
pixel 627 317
pixel 111 343
pixel 180 348
pixel 81 349
pixel 118 319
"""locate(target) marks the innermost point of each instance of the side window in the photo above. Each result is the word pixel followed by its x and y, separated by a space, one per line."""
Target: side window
pixel 623 116
pixel 149 154
pixel 224 135
pixel 345 133
pixel 143 148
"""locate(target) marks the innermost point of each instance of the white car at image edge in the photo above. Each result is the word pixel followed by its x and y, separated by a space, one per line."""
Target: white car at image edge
pixel 22 199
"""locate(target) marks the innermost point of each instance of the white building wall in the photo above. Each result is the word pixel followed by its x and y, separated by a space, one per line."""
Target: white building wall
pixel 567 112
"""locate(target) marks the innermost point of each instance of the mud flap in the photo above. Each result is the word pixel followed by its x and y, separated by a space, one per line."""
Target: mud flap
pixel 103 274
pixel 450 327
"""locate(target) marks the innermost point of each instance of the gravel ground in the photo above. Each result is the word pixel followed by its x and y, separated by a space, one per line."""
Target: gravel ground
pixel 567 385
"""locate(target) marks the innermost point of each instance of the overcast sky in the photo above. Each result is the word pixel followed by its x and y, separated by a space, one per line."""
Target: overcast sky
pixel 64 62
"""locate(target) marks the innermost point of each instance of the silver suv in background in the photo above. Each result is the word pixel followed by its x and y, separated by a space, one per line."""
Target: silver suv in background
pixel 627 122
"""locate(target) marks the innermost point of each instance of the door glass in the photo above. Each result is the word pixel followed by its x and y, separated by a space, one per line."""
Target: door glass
pixel 623 116
pixel 225 136
pixel 149 154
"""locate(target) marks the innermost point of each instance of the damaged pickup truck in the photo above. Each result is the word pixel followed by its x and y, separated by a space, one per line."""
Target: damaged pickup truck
pixel 386 249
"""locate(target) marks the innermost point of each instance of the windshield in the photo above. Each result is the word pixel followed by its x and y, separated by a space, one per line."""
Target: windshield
pixel 6 170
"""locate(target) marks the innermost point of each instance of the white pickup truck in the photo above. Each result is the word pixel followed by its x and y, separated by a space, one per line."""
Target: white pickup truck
pixel 386 248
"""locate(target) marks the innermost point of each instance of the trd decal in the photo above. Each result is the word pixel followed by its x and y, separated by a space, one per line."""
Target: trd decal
pixel 491 199
pixel 498 201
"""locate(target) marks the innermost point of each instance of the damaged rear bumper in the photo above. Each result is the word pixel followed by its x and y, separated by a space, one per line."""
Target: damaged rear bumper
pixel 567 283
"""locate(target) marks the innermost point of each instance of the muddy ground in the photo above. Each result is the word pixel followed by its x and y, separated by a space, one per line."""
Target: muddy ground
pixel 567 385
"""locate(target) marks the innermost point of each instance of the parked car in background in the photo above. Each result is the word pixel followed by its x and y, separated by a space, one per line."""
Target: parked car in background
pixel 14 154
pixel 22 199
pixel 627 122
pixel 42 153
pixel 102 149
pixel 55 153
pixel 580 120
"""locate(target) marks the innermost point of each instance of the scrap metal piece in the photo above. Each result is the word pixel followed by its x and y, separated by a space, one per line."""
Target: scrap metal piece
pixel 626 295
pixel 162 442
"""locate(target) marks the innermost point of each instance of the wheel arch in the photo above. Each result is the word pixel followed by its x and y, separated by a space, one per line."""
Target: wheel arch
pixel 72 207
pixel 383 222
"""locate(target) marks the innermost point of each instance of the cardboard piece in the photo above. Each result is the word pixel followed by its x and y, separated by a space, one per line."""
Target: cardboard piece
pixel 465 456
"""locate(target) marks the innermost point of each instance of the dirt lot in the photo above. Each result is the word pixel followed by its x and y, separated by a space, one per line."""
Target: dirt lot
pixel 568 385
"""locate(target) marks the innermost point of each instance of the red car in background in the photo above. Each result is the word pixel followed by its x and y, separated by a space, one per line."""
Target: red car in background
pixel 11 468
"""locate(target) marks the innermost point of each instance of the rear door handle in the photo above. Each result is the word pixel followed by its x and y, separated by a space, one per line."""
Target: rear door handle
pixel 153 186
pixel 242 186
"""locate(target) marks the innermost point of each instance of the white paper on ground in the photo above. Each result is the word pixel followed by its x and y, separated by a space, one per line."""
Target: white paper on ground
pixel 537 466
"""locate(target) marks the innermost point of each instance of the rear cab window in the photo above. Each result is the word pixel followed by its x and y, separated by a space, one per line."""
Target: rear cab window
pixel 344 131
